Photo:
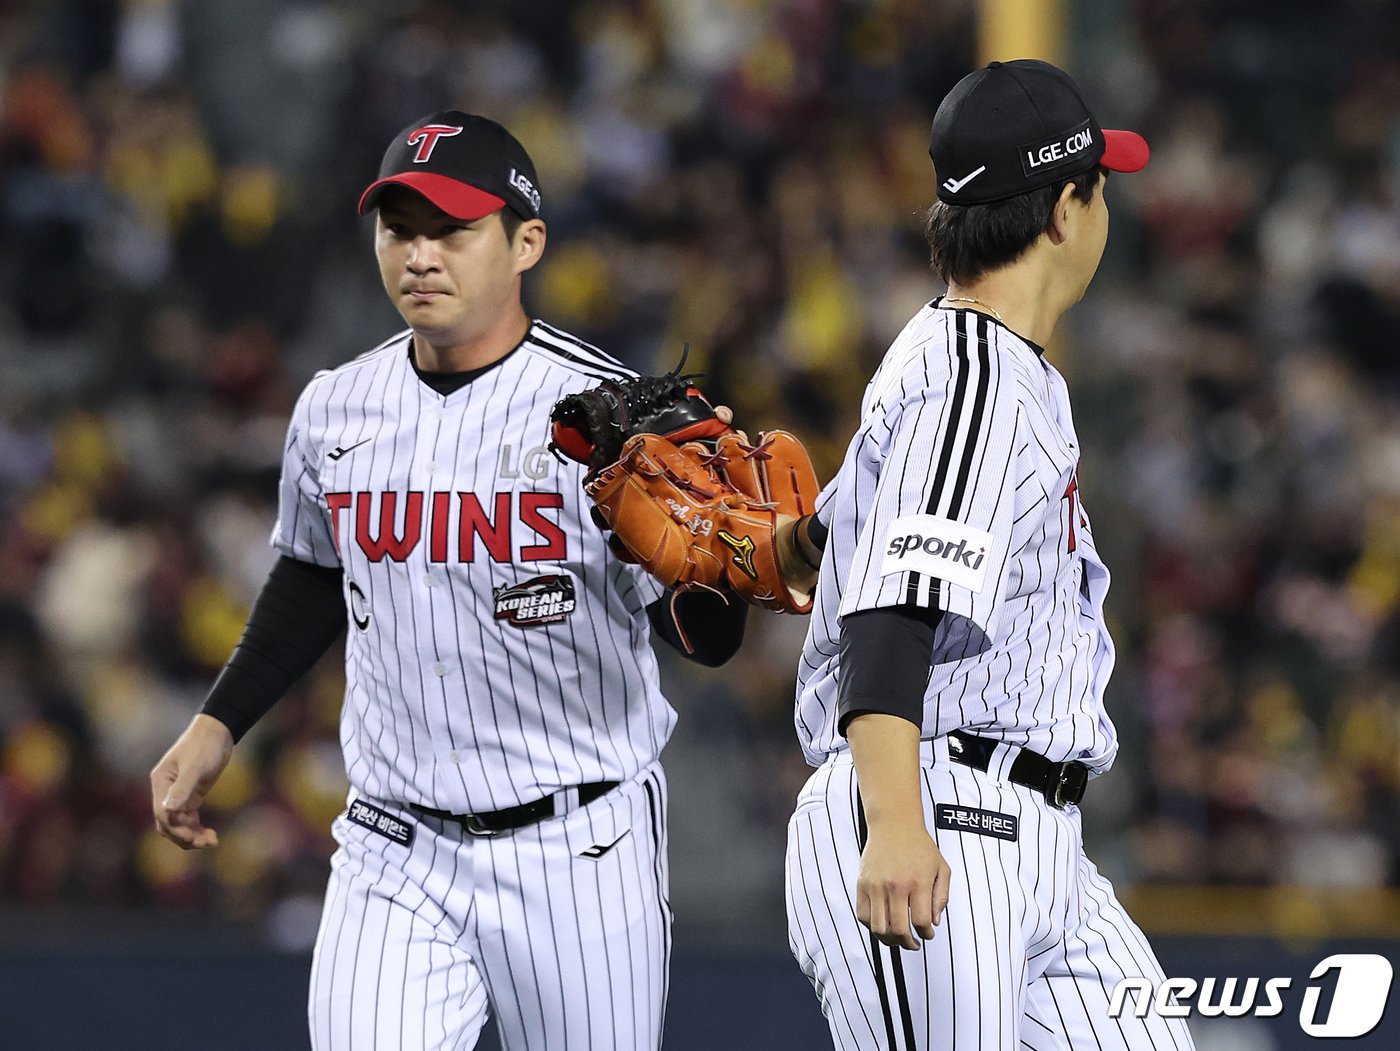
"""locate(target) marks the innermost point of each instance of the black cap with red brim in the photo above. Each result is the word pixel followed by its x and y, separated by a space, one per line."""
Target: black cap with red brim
pixel 466 165
pixel 1013 127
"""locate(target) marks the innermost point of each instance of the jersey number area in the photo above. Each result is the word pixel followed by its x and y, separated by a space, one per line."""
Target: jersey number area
pixel 453 523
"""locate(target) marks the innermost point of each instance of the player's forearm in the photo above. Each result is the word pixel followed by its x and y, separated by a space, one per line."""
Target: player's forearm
pixel 800 542
pixel 885 749
pixel 885 659
pixel 296 617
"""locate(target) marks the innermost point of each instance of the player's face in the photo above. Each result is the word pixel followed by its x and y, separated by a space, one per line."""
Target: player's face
pixel 451 279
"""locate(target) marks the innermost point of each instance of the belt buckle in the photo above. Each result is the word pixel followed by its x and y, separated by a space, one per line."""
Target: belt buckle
pixel 474 827
pixel 1070 781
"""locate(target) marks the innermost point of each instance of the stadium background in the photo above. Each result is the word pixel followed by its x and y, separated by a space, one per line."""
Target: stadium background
pixel 179 251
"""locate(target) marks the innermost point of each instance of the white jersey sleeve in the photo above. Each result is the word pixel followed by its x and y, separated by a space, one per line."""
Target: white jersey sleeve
pixel 939 434
pixel 303 528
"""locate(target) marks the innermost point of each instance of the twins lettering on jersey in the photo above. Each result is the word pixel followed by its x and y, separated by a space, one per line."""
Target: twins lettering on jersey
pixel 513 529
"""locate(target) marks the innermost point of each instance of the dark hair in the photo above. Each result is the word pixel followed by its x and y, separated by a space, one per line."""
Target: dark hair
pixel 510 222
pixel 967 240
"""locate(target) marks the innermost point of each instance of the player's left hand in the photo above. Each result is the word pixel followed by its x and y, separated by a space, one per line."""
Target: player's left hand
pixel 184 776
pixel 902 888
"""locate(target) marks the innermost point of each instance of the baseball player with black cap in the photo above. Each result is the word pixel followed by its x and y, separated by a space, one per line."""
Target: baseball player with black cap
pixel 503 848
pixel 951 691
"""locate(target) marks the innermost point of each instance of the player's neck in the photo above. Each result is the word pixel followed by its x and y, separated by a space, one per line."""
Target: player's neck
pixel 1024 294
pixel 432 353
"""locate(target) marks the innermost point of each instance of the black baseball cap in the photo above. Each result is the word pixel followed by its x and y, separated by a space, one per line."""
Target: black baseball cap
pixel 1016 126
pixel 467 165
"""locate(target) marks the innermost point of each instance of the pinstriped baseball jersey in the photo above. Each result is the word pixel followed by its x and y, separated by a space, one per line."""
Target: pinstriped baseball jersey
pixel 496 651
pixel 959 492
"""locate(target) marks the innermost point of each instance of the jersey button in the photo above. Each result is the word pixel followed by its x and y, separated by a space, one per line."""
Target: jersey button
pixel 439 669
pixel 456 757
pixel 428 580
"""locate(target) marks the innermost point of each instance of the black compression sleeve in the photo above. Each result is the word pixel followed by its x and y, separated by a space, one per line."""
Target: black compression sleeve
pixel 296 617
pixel 816 532
pixel 885 659
pixel 710 630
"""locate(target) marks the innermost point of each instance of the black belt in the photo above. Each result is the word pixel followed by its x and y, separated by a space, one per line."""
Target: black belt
pixel 1060 783
pixel 492 822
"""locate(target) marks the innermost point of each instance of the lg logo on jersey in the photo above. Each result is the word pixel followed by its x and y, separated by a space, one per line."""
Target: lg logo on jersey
pixel 535 462
pixel 1358 1001
pixel 381 532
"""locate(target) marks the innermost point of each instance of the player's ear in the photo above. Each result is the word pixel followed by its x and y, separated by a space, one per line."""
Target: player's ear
pixel 1062 217
pixel 528 245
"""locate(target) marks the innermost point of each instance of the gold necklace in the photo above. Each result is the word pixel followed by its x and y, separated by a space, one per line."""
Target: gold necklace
pixel 974 299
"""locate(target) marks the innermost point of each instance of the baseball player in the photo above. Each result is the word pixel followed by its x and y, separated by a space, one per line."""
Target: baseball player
pixel 952 681
pixel 504 845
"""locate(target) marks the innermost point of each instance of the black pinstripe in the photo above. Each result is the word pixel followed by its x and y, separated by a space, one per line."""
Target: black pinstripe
pixel 877 952
pixel 945 455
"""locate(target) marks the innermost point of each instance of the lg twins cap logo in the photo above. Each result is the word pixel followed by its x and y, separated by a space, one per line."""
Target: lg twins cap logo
pixel 1053 152
pixel 426 139
pixel 937 547
pixel 541 600
pixel 525 188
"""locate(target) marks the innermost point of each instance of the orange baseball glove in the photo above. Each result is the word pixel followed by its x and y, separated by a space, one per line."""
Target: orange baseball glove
pixel 706 514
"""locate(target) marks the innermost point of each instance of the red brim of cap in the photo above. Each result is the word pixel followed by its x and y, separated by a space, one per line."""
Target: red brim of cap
pixel 458 199
pixel 1124 151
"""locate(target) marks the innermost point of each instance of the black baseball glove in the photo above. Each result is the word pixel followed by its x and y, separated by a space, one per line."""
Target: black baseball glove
pixel 591 427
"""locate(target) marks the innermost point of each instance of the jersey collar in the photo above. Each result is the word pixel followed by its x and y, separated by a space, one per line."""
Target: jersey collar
pixel 936 302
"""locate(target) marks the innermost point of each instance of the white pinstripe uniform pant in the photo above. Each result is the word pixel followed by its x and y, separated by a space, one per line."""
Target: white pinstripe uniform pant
pixel 420 942
pixel 1026 956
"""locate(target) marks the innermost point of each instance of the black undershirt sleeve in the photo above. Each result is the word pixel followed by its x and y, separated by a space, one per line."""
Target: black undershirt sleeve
pixel 710 630
pixel 816 532
pixel 296 617
pixel 886 655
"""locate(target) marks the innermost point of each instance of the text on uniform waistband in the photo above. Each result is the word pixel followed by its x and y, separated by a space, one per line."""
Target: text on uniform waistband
pixel 380 821
pixel 970 819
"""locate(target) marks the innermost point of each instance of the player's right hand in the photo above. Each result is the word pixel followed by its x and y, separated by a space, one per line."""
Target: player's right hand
pixel 184 776
pixel 902 889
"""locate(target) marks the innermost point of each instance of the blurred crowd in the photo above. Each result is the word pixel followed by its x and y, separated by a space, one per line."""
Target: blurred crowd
pixel 179 251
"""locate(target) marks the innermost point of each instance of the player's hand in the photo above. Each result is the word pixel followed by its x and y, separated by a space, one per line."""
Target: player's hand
pixel 725 415
pixel 902 889
pixel 184 776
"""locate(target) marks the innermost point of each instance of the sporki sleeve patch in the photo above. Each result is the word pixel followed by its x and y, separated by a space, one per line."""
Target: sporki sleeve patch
pixel 937 547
